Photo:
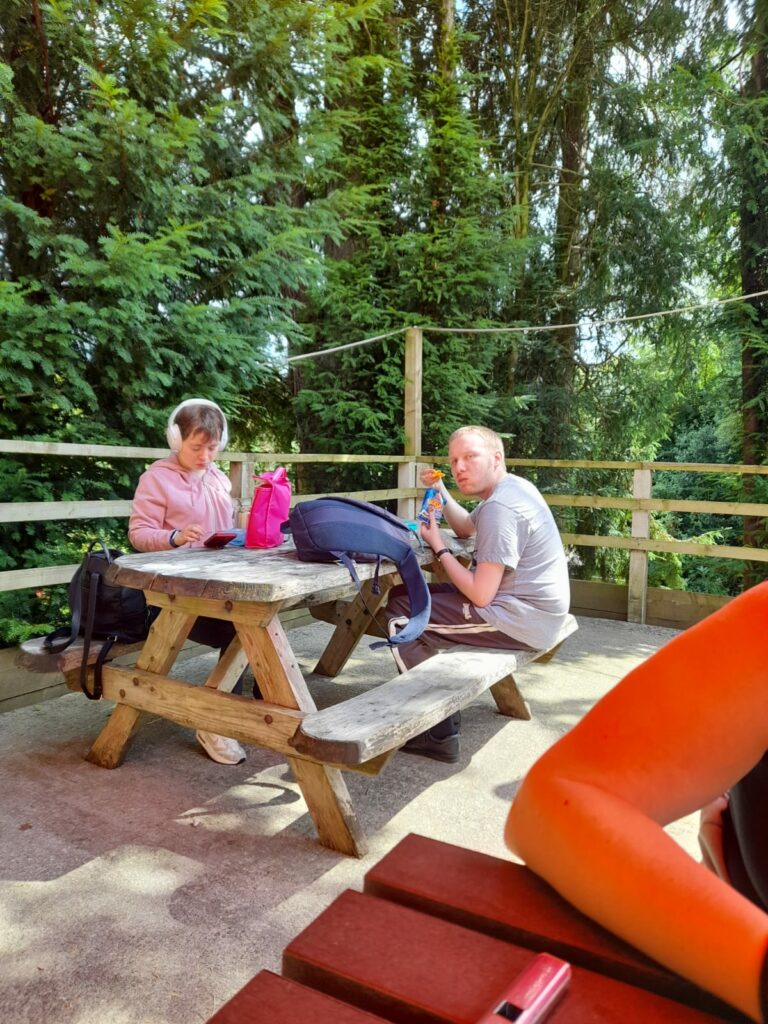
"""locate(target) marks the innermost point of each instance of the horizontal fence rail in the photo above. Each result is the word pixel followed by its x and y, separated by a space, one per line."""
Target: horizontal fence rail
pixel 242 466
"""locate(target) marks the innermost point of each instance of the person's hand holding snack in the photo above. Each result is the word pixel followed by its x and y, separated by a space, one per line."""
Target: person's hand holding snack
pixel 430 531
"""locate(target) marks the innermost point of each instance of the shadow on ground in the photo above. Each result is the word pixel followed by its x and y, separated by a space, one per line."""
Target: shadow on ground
pixel 151 893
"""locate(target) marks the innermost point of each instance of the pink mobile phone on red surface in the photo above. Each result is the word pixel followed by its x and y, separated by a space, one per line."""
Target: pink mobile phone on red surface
pixel 533 993
pixel 218 540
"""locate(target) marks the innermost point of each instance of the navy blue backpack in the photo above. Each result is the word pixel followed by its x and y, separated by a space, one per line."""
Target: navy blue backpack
pixel 345 530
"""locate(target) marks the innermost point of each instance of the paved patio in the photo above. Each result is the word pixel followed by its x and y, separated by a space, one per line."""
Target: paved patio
pixel 150 894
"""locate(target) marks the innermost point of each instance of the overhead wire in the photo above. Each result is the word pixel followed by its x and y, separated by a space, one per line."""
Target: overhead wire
pixel 608 321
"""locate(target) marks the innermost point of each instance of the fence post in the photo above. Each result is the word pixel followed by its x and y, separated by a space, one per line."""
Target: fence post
pixel 638 560
pixel 406 471
pixel 241 478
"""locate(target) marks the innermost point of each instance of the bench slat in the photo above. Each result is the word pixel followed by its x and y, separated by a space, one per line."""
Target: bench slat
pixel 507 901
pixel 270 999
pixel 34 657
pixel 414 968
pixel 386 716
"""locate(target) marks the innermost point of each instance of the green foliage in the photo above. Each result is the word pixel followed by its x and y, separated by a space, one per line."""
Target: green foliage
pixel 434 247
pixel 190 191
pixel 154 241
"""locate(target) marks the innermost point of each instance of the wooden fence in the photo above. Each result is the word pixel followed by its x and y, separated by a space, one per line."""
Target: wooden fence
pixel 636 602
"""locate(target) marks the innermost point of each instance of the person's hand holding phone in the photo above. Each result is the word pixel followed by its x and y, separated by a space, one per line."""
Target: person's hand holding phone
pixel 190 534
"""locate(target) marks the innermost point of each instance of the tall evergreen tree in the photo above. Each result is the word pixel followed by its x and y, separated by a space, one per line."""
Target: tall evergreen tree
pixel 571 96
pixel 751 165
pixel 436 247
pixel 151 241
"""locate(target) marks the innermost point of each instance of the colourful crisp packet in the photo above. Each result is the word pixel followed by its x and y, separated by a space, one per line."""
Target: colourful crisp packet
pixel 432 502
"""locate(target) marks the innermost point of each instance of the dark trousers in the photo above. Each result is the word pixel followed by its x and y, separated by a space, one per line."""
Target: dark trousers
pixel 216 633
pixel 745 835
pixel 453 622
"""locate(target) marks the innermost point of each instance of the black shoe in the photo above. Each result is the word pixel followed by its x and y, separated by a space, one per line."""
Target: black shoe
pixel 439 748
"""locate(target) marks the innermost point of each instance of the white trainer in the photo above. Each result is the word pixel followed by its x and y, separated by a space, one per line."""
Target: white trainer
pixel 221 748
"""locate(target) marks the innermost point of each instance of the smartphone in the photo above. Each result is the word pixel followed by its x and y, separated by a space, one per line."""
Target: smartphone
pixel 218 540
pixel 533 993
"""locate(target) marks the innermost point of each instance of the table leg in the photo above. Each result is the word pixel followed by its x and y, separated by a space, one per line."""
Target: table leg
pixel 330 806
pixel 110 746
pixel 509 700
pixel 229 667
pixel 274 665
pixel 324 789
pixel 166 638
pixel 352 626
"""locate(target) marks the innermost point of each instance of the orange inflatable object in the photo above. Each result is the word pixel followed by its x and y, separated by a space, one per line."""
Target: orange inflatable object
pixel 675 733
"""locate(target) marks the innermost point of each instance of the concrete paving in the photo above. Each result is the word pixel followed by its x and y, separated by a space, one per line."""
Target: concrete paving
pixel 150 894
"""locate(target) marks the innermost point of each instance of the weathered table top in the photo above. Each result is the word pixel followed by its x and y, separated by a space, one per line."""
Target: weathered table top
pixel 241 574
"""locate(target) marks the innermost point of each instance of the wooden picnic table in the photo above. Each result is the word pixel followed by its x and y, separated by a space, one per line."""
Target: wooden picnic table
pixel 249 588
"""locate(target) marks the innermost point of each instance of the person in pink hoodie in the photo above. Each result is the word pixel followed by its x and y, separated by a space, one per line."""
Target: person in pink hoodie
pixel 181 500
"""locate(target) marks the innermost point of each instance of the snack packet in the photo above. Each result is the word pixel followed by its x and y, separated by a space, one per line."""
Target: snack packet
pixel 432 502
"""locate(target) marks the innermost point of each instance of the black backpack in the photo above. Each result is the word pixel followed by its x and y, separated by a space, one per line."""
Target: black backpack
pixel 100 611
pixel 346 530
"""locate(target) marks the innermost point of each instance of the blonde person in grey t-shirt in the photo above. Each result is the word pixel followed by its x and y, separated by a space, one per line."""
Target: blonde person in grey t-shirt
pixel 515 596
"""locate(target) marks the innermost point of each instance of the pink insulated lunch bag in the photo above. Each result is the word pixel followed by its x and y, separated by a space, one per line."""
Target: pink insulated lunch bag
pixel 269 508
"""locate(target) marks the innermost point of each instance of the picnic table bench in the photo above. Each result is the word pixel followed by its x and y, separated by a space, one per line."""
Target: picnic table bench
pixel 383 718
pixel 35 657
pixel 437 935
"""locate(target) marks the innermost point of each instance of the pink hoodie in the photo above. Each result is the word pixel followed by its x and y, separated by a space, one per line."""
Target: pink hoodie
pixel 169 497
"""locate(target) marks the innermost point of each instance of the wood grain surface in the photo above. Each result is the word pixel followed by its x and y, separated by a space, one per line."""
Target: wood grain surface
pixel 242 574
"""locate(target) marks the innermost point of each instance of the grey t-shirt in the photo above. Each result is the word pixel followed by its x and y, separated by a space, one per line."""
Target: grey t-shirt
pixel 515 528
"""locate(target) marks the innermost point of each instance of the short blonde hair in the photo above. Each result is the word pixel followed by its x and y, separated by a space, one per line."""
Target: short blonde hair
pixel 489 437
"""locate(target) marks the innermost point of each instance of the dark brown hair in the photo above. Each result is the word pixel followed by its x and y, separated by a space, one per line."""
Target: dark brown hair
pixel 204 419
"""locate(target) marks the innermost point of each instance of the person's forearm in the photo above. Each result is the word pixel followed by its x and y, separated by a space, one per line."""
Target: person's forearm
pixel 149 537
pixel 479 587
pixel 455 516
pixel 461 577
pixel 676 731
pixel 619 866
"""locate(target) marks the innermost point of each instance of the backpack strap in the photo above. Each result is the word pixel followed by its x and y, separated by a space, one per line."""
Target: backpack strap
pixel 97 683
pixel 93 587
pixel 346 561
pixel 421 603
pixel 63 637
pixel 376 585
pixel 344 558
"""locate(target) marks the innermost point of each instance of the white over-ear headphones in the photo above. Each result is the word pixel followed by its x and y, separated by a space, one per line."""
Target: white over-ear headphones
pixel 173 434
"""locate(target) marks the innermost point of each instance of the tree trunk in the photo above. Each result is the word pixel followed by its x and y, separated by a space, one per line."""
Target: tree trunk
pixel 754 278
pixel 573 146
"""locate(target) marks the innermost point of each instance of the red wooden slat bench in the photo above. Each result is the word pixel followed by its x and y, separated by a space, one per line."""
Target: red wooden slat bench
pixel 437 936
